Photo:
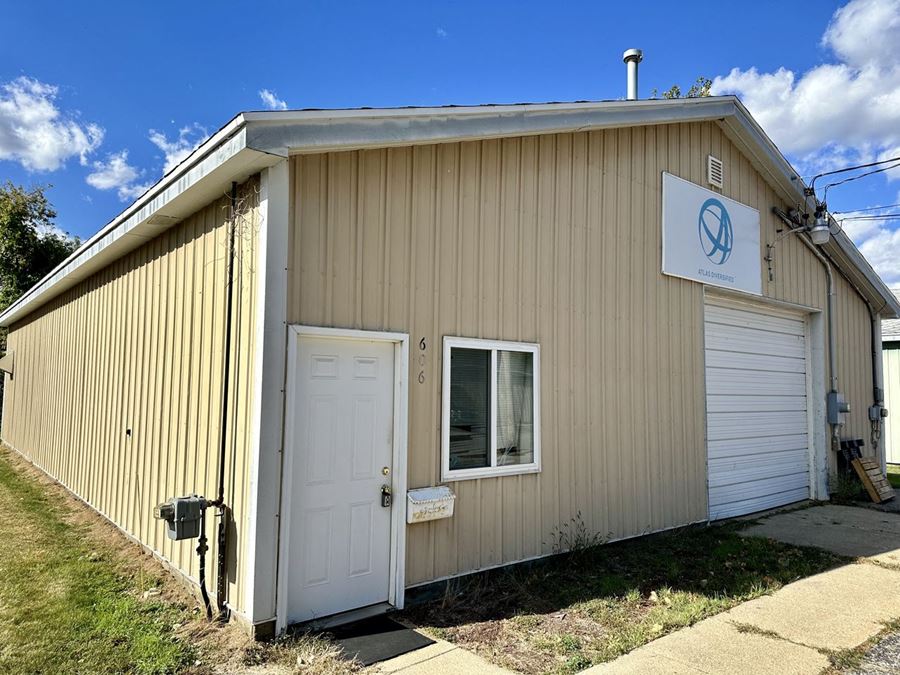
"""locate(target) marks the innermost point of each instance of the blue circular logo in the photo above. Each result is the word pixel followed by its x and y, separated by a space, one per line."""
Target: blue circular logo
pixel 716 233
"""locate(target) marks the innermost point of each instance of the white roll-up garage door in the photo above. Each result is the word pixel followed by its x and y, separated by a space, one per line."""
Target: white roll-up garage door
pixel 757 422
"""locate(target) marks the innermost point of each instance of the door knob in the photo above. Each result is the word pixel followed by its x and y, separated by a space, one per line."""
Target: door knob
pixel 386 497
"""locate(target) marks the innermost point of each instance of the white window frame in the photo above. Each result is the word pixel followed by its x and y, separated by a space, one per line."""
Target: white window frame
pixel 491 471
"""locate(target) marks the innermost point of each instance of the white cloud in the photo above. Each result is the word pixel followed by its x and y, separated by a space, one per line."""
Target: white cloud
pixel 882 249
pixel 877 238
pixel 51 230
pixel 839 114
pixel 856 32
pixel 189 138
pixel 35 133
pixel 852 105
pixel 112 173
pixel 271 101
pixel 116 173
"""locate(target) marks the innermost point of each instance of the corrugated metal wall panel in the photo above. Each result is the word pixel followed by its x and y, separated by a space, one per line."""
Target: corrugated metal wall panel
pixel 139 346
pixel 553 239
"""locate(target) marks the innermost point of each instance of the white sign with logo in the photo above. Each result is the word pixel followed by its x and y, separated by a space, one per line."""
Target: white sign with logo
pixel 709 238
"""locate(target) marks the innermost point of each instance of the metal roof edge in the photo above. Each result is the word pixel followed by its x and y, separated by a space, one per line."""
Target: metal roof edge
pixel 171 199
pixel 322 131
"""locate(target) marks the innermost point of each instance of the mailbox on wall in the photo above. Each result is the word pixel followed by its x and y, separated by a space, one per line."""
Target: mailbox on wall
pixel 431 503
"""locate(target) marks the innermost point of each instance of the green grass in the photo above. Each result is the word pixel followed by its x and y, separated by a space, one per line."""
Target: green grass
pixel 893 474
pixel 569 612
pixel 64 605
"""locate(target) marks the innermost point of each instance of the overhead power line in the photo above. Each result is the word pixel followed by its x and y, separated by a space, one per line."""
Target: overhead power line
pixel 886 216
pixel 857 177
pixel 851 168
pixel 871 208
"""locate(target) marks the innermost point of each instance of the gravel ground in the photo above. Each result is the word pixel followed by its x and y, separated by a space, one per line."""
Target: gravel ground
pixel 882 659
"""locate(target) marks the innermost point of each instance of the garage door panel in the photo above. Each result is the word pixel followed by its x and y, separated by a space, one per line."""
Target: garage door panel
pixel 740 360
pixel 733 339
pixel 757 503
pixel 736 381
pixel 757 420
pixel 724 426
pixel 756 403
pixel 757 446
pixel 737 470
pixel 758 488
pixel 747 318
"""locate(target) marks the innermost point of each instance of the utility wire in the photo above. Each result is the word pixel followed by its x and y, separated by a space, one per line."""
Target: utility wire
pixel 851 168
pixel 857 177
pixel 871 208
pixel 887 216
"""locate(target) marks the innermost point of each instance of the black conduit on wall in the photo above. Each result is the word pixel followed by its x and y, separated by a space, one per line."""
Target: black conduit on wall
pixel 221 571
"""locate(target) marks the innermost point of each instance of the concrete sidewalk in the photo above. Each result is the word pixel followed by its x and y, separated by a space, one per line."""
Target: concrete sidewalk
pixel 791 631
pixel 794 629
pixel 441 658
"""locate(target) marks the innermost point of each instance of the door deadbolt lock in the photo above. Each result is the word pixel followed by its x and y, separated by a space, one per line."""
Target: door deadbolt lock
pixel 386 497
pixel 385 471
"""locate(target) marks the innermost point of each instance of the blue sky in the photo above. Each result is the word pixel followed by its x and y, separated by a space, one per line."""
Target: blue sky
pixel 115 92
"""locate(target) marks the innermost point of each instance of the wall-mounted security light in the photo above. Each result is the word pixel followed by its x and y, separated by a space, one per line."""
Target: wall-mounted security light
pixel 820 232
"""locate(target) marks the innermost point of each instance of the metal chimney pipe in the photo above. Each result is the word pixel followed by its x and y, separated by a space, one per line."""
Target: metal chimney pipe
pixel 632 58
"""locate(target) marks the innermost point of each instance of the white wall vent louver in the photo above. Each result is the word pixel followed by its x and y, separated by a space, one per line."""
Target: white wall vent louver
pixel 715 172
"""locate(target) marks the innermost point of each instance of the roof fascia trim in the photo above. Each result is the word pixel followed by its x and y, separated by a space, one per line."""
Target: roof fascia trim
pixel 318 131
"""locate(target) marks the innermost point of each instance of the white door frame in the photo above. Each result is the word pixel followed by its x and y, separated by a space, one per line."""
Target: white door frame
pixel 813 319
pixel 397 588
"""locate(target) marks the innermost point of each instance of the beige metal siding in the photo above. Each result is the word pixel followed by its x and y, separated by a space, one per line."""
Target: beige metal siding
pixel 138 346
pixel 892 403
pixel 552 239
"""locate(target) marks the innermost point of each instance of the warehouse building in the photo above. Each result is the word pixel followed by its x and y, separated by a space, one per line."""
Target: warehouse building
pixel 396 346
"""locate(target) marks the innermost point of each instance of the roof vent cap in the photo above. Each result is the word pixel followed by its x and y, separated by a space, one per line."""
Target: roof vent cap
pixel 632 57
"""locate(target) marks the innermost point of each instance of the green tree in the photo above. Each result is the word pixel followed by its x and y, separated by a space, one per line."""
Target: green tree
pixel 699 89
pixel 30 243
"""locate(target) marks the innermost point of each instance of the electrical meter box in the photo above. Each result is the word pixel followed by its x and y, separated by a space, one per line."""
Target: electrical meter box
pixel 182 516
pixel 836 407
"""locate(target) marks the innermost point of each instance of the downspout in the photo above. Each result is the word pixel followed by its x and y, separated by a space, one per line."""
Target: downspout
pixel 829 276
pixel 221 557
pixel 877 411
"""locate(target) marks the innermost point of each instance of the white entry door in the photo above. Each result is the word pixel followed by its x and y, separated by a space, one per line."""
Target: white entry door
pixel 341 439
pixel 756 402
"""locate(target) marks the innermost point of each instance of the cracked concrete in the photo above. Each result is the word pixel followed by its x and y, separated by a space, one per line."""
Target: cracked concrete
pixel 845 530
pixel 794 629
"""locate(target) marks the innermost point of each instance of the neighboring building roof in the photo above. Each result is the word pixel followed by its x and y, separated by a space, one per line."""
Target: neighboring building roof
pixel 890 330
pixel 253 141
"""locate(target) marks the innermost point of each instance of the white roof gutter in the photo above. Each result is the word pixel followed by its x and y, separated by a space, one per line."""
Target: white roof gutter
pixel 254 140
pixel 201 178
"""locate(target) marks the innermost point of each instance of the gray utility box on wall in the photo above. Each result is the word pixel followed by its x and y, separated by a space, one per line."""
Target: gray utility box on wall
pixel 182 516
pixel 836 408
